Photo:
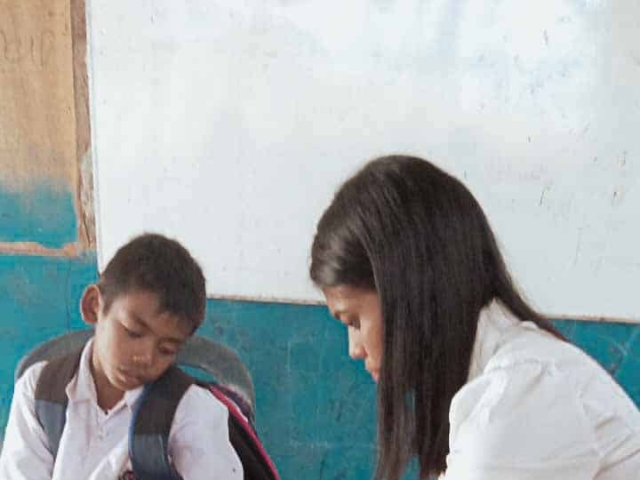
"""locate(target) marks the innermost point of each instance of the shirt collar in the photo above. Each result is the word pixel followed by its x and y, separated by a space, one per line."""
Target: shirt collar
pixel 494 323
pixel 82 387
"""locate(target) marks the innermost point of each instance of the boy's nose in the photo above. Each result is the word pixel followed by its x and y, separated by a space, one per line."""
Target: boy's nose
pixel 143 359
pixel 356 350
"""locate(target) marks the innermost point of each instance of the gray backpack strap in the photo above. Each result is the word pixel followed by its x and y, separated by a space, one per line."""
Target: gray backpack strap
pixel 51 396
pixel 151 424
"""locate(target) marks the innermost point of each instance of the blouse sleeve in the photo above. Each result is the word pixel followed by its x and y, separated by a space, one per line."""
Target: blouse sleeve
pixel 524 422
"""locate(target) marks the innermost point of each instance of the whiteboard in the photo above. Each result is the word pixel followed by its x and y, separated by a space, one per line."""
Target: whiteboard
pixel 229 124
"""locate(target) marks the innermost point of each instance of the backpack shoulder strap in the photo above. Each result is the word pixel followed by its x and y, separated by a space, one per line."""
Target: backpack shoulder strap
pixel 255 461
pixel 151 424
pixel 51 396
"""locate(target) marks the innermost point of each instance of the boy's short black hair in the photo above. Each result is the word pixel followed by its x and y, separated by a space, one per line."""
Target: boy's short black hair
pixel 155 263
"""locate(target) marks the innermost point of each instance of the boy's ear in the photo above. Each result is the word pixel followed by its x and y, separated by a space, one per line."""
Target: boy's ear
pixel 91 304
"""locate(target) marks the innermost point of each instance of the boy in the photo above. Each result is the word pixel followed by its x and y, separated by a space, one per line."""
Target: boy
pixel 148 301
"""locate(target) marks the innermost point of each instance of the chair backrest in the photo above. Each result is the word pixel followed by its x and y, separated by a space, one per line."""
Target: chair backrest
pixel 200 353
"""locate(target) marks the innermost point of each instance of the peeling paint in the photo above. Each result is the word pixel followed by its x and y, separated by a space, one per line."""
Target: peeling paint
pixel 37 122
pixel 71 250
pixel 85 202
pixel 46 185
pixel 86 211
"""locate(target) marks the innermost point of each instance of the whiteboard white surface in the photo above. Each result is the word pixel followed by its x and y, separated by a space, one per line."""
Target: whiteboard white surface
pixel 230 124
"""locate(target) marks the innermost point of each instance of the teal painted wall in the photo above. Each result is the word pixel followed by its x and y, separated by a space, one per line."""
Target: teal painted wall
pixel 316 409
pixel 44 214
pixel 38 300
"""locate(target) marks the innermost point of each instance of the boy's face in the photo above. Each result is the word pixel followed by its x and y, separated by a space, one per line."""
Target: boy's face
pixel 135 342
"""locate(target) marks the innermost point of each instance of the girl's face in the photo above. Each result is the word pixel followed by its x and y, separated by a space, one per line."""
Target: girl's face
pixel 359 310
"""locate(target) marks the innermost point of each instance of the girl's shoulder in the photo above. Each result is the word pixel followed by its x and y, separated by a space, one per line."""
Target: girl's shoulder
pixel 548 391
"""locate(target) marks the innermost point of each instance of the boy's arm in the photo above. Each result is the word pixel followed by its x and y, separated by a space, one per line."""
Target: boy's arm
pixel 25 455
pixel 199 442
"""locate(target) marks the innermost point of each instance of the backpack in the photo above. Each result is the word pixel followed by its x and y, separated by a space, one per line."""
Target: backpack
pixel 149 434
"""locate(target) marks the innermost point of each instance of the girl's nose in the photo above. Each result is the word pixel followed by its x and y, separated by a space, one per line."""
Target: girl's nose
pixel 356 349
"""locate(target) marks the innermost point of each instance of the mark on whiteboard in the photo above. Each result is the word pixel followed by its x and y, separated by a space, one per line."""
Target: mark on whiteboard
pixel 542 195
pixel 578 248
pixel 618 196
pixel 546 38
pixel 598 264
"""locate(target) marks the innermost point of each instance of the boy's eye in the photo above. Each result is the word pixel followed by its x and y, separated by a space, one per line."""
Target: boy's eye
pixel 132 333
pixel 167 352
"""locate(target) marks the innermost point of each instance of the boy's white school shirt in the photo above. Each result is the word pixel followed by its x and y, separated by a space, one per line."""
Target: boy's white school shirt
pixel 537 408
pixel 94 444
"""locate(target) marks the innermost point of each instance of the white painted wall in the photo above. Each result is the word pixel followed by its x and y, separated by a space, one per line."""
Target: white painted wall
pixel 229 124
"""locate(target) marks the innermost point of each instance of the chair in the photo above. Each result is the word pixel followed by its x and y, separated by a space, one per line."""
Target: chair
pixel 198 352
pixel 234 388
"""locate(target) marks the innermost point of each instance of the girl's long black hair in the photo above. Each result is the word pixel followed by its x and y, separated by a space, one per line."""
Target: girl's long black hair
pixel 417 236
